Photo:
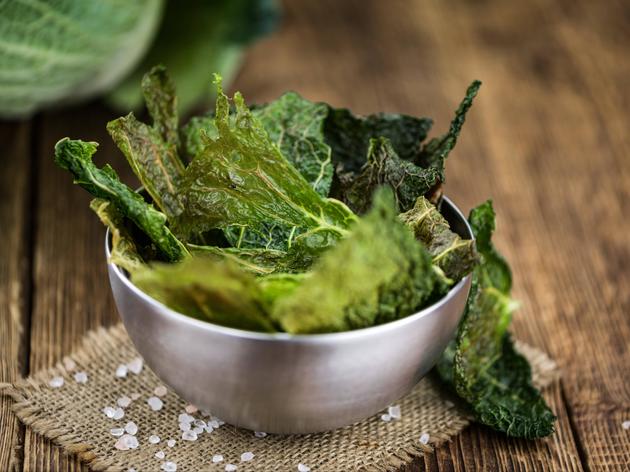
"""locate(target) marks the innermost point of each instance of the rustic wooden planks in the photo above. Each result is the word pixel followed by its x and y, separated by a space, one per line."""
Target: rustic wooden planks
pixel 15 196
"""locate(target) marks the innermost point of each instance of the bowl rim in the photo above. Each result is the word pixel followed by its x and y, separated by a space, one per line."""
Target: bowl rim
pixel 276 337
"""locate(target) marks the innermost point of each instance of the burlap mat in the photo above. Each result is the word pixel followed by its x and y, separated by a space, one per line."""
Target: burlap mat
pixel 72 416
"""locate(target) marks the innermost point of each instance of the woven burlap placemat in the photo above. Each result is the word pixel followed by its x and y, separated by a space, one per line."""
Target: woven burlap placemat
pixel 72 415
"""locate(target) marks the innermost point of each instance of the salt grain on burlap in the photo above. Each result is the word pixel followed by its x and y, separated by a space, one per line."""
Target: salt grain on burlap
pixel 56 382
pixel 69 364
pixel 160 455
pixel 626 424
pixel 119 413
pixel 160 391
pixel 189 436
pixel 217 458
pixel 303 468
pixel 169 466
pixel 131 428
pixel 191 409
pixel 394 412
pixel 135 366
pixel 126 442
pixel 230 468
pixel 247 456
pixel 185 418
pixel 121 371
pixel 424 438
pixel 153 439
pixel 171 443
pixel 184 427
pixel 81 377
pixel 260 434
pixel 123 401
pixel 117 432
pixel 386 418
pixel 155 403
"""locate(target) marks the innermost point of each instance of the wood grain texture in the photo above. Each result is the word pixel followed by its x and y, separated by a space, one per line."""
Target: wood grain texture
pixel 14 277
pixel 71 292
pixel 547 140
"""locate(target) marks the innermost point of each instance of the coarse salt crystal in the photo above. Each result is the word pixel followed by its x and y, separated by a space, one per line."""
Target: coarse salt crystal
pixel 135 396
pixel 160 455
pixel 185 418
pixel 303 468
pixel 171 443
pixel 109 411
pixel 247 456
pixel 189 436
pixel 155 403
pixel 123 401
pixel 230 468
pixel 386 417
pixel 80 377
pixel 213 424
pixel 126 442
pixel 69 364
pixel 121 371
pixel 117 432
pixel 131 470
pixel 424 439
pixel 169 466
pixel 56 382
pixel 184 426
pixel 153 439
pixel 197 430
pixel 131 428
pixel 260 434
pixel 191 409
pixel 208 429
pixel 394 412
pixel 626 424
pixel 200 423
pixel 217 458
pixel 160 391
pixel 118 413
pixel 135 366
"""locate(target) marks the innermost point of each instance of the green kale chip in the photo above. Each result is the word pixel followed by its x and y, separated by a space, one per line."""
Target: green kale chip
pixel 207 289
pixel 294 124
pixel 76 157
pixel 482 365
pixel 395 155
pixel 384 167
pixel 349 136
pixel 378 273
pixel 124 252
pixel 152 151
pixel 451 253
pixel 241 180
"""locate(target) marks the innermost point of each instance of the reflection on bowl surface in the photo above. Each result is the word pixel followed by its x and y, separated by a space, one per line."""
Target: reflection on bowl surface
pixel 281 383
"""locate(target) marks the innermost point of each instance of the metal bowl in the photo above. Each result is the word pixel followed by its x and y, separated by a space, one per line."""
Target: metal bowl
pixel 282 383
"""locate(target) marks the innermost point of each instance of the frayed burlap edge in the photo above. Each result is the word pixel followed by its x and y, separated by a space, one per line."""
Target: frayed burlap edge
pixel 544 371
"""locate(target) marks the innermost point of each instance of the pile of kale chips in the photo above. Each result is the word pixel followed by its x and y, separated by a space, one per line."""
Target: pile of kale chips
pixel 298 217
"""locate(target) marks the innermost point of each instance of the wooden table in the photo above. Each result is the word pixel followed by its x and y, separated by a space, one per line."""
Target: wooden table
pixel 548 140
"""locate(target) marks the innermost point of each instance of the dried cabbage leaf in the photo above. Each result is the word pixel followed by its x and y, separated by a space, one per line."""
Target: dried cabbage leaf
pixel 242 180
pixel 76 157
pixel 451 253
pixel 384 167
pixel 378 273
pixel 485 369
pixel 152 151
pixel 124 252
pixel 207 289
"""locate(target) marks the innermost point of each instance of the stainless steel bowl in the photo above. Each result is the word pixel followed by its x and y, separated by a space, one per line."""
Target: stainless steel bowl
pixel 281 383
